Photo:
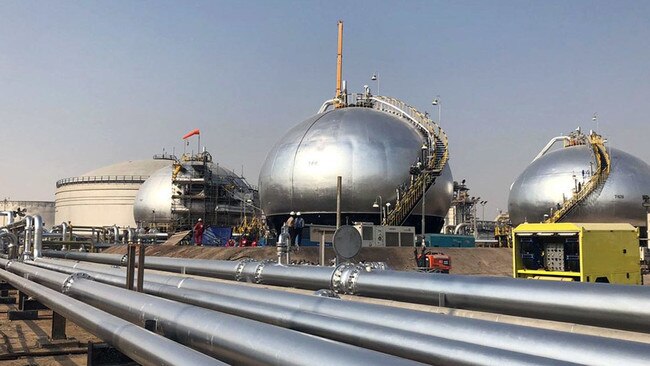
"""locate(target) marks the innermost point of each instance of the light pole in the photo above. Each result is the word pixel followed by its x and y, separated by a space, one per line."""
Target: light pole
pixel 387 209
pixel 424 188
pixel 375 77
pixel 483 203
pixel 474 202
pixel 438 103
pixel 379 205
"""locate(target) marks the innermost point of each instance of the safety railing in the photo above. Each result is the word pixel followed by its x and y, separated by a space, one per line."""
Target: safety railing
pixel 102 179
pixel 437 157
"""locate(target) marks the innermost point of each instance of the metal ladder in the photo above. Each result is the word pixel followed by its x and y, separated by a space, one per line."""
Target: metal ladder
pixel 597 179
pixel 437 155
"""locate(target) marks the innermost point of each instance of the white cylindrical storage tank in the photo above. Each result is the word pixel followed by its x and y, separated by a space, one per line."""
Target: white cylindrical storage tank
pixel 105 196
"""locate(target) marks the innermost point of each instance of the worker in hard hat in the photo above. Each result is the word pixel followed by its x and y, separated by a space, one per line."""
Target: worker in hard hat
pixel 298 225
pixel 291 221
pixel 198 232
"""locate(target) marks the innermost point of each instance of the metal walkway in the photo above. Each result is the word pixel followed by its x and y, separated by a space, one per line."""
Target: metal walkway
pixel 597 179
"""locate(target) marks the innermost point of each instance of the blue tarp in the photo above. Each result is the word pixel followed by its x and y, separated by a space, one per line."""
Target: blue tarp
pixel 216 236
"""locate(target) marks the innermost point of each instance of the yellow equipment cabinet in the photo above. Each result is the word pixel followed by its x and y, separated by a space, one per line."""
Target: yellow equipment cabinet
pixel 577 252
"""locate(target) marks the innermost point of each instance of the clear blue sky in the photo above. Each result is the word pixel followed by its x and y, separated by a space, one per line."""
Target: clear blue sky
pixel 87 84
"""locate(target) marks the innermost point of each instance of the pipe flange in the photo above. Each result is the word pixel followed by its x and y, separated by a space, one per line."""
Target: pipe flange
pixel 240 268
pixel 124 260
pixel 339 277
pixel 351 281
pixel 259 269
pixel 70 280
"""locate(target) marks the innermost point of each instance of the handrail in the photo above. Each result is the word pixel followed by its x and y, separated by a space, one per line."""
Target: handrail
pixel 437 145
pixel 102 179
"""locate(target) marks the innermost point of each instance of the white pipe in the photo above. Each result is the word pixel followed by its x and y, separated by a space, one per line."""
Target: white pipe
pixel 132 235
pixel 64 230
pixel 27 250
pixel 460 226
pixel 38 235
pixel 549 145
pixel 326 104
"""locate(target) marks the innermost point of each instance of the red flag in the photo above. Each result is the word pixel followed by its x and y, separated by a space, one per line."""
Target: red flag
pixel 192 133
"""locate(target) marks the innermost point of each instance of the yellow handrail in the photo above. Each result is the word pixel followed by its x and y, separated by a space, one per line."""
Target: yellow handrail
pixel 439 155
pixel 599 177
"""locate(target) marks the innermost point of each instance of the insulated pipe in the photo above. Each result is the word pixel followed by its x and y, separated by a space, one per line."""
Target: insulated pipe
pixel 38 235
pixel 13 244
pixel 112 259
pixel 563 346
pixel 306 277
pixel 603 305
pixel 418 347
pixel 131 235
pixel 460 226
pixel 8 234
pixel 549 145
pixel 625 308
pixel 64 231
pixel 220 335
pixel 10 216
pixel 29 223
pixel 141 345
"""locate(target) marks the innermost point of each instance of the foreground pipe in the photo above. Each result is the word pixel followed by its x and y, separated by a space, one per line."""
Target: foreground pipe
pixel 142 346
pixel 604 305
pixel 415 346
pixel 224 336
pixel 539 342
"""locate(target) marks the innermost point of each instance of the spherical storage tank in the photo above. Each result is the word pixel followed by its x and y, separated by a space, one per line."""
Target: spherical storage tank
pixel 197 190
pixel 553 177
pixel 371 150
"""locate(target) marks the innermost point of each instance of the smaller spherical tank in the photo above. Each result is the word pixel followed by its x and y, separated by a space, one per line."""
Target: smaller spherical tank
pixel 159 198
pixel 153 202
pixel 548 181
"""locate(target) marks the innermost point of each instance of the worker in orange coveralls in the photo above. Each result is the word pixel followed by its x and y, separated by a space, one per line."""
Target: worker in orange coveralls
pixel 198 232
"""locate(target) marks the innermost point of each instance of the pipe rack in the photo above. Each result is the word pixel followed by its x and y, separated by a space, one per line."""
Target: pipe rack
pixel 626 306
pixel 561 346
